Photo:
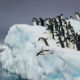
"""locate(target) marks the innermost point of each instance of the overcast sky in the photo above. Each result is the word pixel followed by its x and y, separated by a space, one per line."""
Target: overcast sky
pixel 22 11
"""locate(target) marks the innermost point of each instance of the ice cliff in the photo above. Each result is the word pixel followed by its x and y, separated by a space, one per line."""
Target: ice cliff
pixel 20 55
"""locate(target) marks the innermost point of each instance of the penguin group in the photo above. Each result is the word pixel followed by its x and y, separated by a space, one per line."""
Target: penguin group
pixel 61 30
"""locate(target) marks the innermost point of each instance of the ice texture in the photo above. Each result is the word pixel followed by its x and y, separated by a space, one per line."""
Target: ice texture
pixel 20 57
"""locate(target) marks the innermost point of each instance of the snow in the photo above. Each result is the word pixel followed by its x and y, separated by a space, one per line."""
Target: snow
pixel 20 57
pixel 76 25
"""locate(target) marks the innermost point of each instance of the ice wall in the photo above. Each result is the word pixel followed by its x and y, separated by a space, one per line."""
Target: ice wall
pixel 20 56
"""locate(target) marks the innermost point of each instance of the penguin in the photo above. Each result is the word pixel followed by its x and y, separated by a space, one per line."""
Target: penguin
pixel 62 32
pixel 77 15
pixel 49 34
pixel 69 25
pixel 61 16
pixel 78 42
pixel 50 26
pixel 43 52
pixel 43 40
pixel 47 21
pixel 55 24
pixel 59 22
pixel 41 21
pixel 35 21
pixel 59 41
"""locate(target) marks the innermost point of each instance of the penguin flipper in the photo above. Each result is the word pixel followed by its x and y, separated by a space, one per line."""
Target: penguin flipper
pixel 38 53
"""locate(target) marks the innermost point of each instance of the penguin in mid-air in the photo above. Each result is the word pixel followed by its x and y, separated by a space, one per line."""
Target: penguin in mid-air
pixel 77 15
pixel 43 40
pixel 35 21
pixel 43 52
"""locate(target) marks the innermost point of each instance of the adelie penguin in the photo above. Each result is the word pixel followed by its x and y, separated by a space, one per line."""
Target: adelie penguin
pixel 43 52
pixel 59 41
pixel 49 34
pixel 71 17
pixel 77 15
pixel 55 24
pixel 61 16
pixel 41 21
pixel 35 21
pixel 43 41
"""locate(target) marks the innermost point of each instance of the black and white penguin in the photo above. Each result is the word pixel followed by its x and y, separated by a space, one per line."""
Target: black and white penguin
pixel 43 40
pixel 58 39
pixel 41 21
pixel 55 24
pixel 35 21
pixel 50 25
pixel 59 21
pixel 49 34
pixel 77 15
pixel 61 16
pixel 43 52
pixel 47 21
pixel 78 41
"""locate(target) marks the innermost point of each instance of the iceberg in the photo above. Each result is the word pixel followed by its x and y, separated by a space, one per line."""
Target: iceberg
pixel 20 57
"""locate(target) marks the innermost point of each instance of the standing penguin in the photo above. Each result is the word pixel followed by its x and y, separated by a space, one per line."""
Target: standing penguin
pixel 58 39
pixel 77 15
pixel 61 16
pixel 49 34
pixel 35 21
pixel 55 24
pixel 50 25
pixel 41 21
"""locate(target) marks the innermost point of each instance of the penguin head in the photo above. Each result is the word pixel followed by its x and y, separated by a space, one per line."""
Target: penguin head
pixel 71 17
pixel 61 16
pixel 40 19
pixel 66 18
pixel 76 13
pixel 34 20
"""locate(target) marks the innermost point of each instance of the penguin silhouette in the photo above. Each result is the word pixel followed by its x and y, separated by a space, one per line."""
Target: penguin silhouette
pixel 77 15
pixel 41 21
pixel 35 21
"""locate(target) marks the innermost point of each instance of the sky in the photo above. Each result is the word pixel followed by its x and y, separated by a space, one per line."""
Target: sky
pixel 22 11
